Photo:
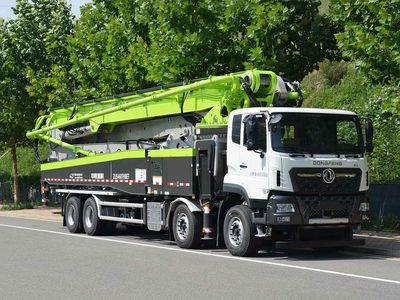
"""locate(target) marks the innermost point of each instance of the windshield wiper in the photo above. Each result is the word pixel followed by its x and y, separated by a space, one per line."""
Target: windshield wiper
pixel 297 155
pixel 352 155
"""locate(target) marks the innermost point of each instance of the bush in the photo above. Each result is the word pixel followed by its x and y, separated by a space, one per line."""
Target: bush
pixel 390 222
pixel 329 73
pixel 22 205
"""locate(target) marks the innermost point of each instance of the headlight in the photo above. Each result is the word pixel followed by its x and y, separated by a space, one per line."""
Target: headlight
pixel 364 206
pixel 284 208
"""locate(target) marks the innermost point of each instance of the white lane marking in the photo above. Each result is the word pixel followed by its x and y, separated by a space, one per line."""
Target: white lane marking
pixel 205 254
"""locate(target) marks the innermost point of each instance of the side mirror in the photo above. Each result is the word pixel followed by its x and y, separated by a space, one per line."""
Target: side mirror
pixel 369 137
pixel 250 123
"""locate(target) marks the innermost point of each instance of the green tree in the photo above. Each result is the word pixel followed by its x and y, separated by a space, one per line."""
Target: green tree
pixel 123 45
pixel 30 46
pixel 289 37
pixel 371 36
pixel 189 39
pixel 103 49
pixel 17 110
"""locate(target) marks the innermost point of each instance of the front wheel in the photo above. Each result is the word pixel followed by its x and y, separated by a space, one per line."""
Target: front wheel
pixel 239 232
pixel 186 227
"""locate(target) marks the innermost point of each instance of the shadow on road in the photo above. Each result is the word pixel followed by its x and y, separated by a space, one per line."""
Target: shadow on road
pixel 141 234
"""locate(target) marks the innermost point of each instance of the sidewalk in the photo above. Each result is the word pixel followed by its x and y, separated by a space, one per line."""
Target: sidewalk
pixel 41 213
pixel 377 243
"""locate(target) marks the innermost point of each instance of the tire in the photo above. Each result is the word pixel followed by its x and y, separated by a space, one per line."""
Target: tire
pixel 186 227
pixel 73 215
pixel 91 222
pixel 239 232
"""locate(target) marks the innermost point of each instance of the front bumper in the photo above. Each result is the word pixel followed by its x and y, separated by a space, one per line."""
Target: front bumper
pixel 310 210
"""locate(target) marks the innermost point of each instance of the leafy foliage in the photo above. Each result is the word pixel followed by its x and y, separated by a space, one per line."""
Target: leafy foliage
pixel 40 32
pixel 30 46
pixel 103 49
pixel 189 39
pixel 329 73
pixel 18 206
pixel 15 107
pixel 123 45
pixel 289 37
pixel 371 36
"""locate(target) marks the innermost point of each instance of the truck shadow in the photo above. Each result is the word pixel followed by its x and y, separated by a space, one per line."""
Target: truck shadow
pixel 312 255
pixel 142 234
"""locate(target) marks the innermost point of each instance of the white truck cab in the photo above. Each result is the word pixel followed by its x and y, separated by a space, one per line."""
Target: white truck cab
pixel 299 168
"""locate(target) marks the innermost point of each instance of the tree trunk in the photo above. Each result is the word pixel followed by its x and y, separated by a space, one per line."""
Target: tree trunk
pixel 15 172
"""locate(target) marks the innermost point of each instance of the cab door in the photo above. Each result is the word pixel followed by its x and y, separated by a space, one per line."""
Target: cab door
pixel 252 156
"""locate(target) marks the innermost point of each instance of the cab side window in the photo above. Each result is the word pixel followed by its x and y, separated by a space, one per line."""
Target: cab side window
pixel 237 122
pixel 259 134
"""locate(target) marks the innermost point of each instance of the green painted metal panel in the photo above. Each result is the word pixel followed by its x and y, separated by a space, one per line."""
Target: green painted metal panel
pixel 98 158
pixel 93 159
pixel 184 152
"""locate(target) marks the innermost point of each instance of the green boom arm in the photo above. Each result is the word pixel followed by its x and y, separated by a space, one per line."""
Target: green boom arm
pixel 216 96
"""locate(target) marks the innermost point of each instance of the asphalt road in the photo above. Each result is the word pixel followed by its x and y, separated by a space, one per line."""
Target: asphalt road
pixel 41 260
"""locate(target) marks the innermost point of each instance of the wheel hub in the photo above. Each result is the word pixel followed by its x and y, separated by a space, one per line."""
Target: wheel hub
pixel 71 215
pixel 235 231
pixel 89 215
pixel 182 226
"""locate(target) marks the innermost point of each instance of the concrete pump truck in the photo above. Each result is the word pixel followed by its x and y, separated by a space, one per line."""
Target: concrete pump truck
pixel 228 160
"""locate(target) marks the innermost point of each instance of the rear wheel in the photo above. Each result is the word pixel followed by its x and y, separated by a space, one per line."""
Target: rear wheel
pixel 91 221
pixel 187 227
pixel 73 215
pixel 239 232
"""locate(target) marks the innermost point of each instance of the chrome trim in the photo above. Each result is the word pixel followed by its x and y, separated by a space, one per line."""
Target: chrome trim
pixel 123 220
pixel 121 204
pixel 346 175
pixel 88 192
pixel 328 221
pixel 308 175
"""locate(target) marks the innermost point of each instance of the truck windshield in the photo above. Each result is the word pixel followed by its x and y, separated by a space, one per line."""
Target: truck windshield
pixel 317 134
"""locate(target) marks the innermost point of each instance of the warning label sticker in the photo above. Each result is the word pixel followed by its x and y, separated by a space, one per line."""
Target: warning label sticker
pixel 157 180
pixel 140 175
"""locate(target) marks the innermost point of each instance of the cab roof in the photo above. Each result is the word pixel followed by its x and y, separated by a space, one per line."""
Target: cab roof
pixel 293 110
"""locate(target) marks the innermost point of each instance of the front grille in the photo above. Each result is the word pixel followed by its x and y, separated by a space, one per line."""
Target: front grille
pixel 319 213
pixel 311 181
pixel 315 213
pixel 339 213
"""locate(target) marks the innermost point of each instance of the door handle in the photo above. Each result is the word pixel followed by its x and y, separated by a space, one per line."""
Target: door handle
pixel 243 166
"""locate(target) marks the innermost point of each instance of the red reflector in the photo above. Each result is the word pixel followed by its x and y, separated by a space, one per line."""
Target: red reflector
pixel 207 230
